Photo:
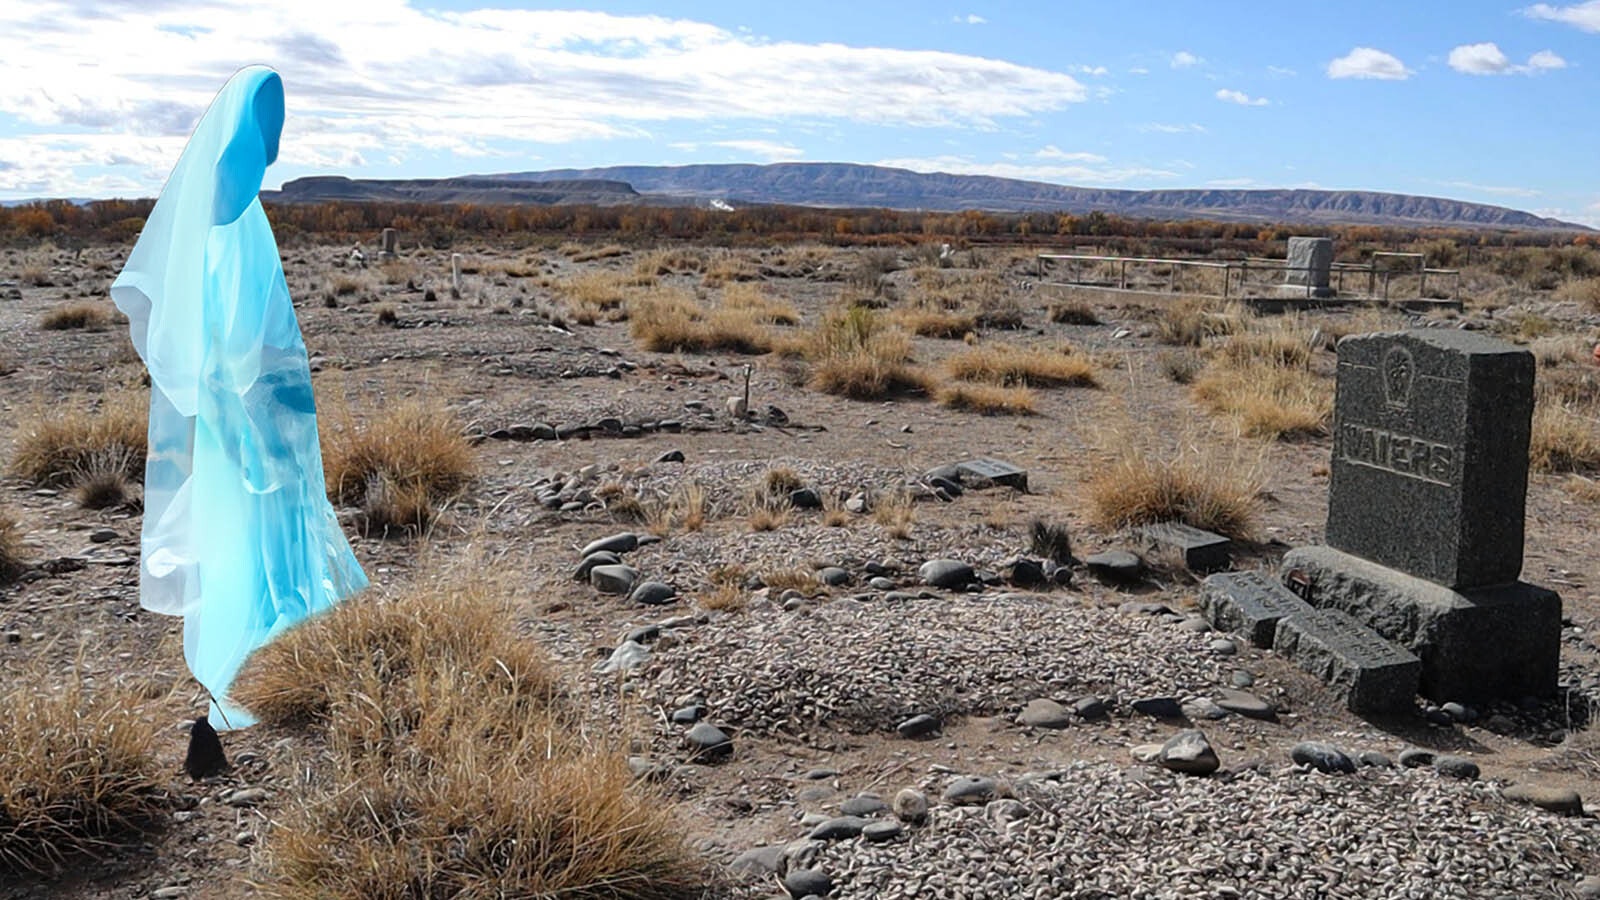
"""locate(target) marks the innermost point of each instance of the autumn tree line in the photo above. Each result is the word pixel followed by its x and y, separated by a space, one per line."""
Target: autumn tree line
pixel 439 226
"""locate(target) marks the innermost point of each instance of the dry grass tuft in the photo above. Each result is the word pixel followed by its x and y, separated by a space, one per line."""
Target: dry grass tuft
pixel 596 295
pixel 1073 312
pixel 936 323
pixel 1004 364
pixel 57 443
pixel 590 254
pixel 382 660
pixel 672 322
pixel 751 299
pixel 1584 291
pixel 1202 483
pixel 12 560
pixel 78 775
pixel 781 481
pixel 853 355
pixel 988 399
pixel 796 579
pixel 408 456
pixel 453 765
pixel 768 517
pixel 103 482
pixel 896 512
pixel 1187 323
pixel 86 316
pixel 1566 437
pixel 1053 542
pixel 1262 381
pixel 1179 366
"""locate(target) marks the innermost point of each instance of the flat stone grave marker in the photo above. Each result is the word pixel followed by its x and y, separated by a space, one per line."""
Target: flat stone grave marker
pixel 1371 674
pixel 1430 458
pixel 1248 603
pixel 1202 551
pixel 994 470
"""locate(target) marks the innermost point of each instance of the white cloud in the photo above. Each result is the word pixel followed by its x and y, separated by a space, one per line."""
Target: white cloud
pixel 1366 62
pixel 383 79
pixel 1051 151
pixel 1487 59
pixel 768 150
pixel 1095 71
pixel 1492 189
pixel 1241 98
pixel 1583 16
pixel 970 19
pixel 1234 183
pixel 1281 72
pixel 1183 59
pixel 1546 60
pixel 960 165
pixel 1164 128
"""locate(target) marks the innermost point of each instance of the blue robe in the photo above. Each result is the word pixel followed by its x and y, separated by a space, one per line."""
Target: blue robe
pixel 239 537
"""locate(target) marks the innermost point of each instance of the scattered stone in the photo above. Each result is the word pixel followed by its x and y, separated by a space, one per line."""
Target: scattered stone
pixel 653 593
pixel 688 715
pixel 1242 679
pixel 857 503
pixel 951 487
pixel 1025 573
pixel 1089 708
pixel 946 573
pixel 1159 707
pixel 820 773
pixel 602 558
pixel 670 456
pixel 247 797
pixel 708 742
pixel 1223 647
pixel 1195 625
pixel 628 656
pixel 863 805
pixel 1416 758
pixel 911 806
pixel 616 579
pixel 1459 712
pixel 1044 713
pixel 1322 756
pixel 1248 705
pixel 971 790
pixel 802 883
pixel 1189 753
pixel 1116 566
pixel 833 576
pixel 918 726
pixel 760 862
pixel 1145 753
pixel 1144 608
pixel 882 831
pixel 644 634
pixel 880 583
pixel 1005 810
pixel 1203 708
pixel 616 543
pixel 1562 801
pixel 102 536
pixel 1372 759
pixel 805 498
pixel 1456 767
pixel 839 828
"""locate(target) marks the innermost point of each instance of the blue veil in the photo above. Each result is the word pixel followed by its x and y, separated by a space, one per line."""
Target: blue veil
pixel 239 537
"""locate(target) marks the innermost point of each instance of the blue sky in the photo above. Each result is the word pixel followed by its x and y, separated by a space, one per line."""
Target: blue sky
pixel 1476 100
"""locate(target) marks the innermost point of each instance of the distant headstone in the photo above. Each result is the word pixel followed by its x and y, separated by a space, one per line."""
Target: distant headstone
pixel 455 272
pixel 389 245
pixel 1370 673
pixel 1310 263
pixel 994 470
pixel 1430 455
pixel 1202 551
pixel 1426 509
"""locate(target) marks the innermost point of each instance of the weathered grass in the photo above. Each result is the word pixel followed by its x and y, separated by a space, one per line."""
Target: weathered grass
pixel 58 442
pixel 853 355
pixel 672 322
pixel 935 323
pixel 1566 437
pixel 412 447
pixel 78 775
pixel 1202 483
pixel 988 399
pixel 1073 312
pixel 1262 381
pixel 13 560
pixel 1009 365
pixel 85 316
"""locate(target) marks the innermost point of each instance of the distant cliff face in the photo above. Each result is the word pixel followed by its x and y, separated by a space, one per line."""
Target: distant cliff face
pixel 851 185
pixel 469 189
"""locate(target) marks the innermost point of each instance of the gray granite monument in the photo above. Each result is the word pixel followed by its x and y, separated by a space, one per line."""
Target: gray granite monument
pixel 1426 508
pixel 1310 265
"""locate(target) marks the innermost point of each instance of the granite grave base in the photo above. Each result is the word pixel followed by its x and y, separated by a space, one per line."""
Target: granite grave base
pixel 1475 645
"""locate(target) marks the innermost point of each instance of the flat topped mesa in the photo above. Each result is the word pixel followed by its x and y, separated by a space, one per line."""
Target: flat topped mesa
pixel 1430 457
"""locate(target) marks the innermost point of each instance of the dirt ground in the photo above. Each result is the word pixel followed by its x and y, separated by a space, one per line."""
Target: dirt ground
pixel 508 351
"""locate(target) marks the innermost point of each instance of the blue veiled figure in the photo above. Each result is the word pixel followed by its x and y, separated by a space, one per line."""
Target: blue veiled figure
pixel 239 537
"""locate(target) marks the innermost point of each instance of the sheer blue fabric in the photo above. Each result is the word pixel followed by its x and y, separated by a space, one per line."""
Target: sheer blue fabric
pixel 239 537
